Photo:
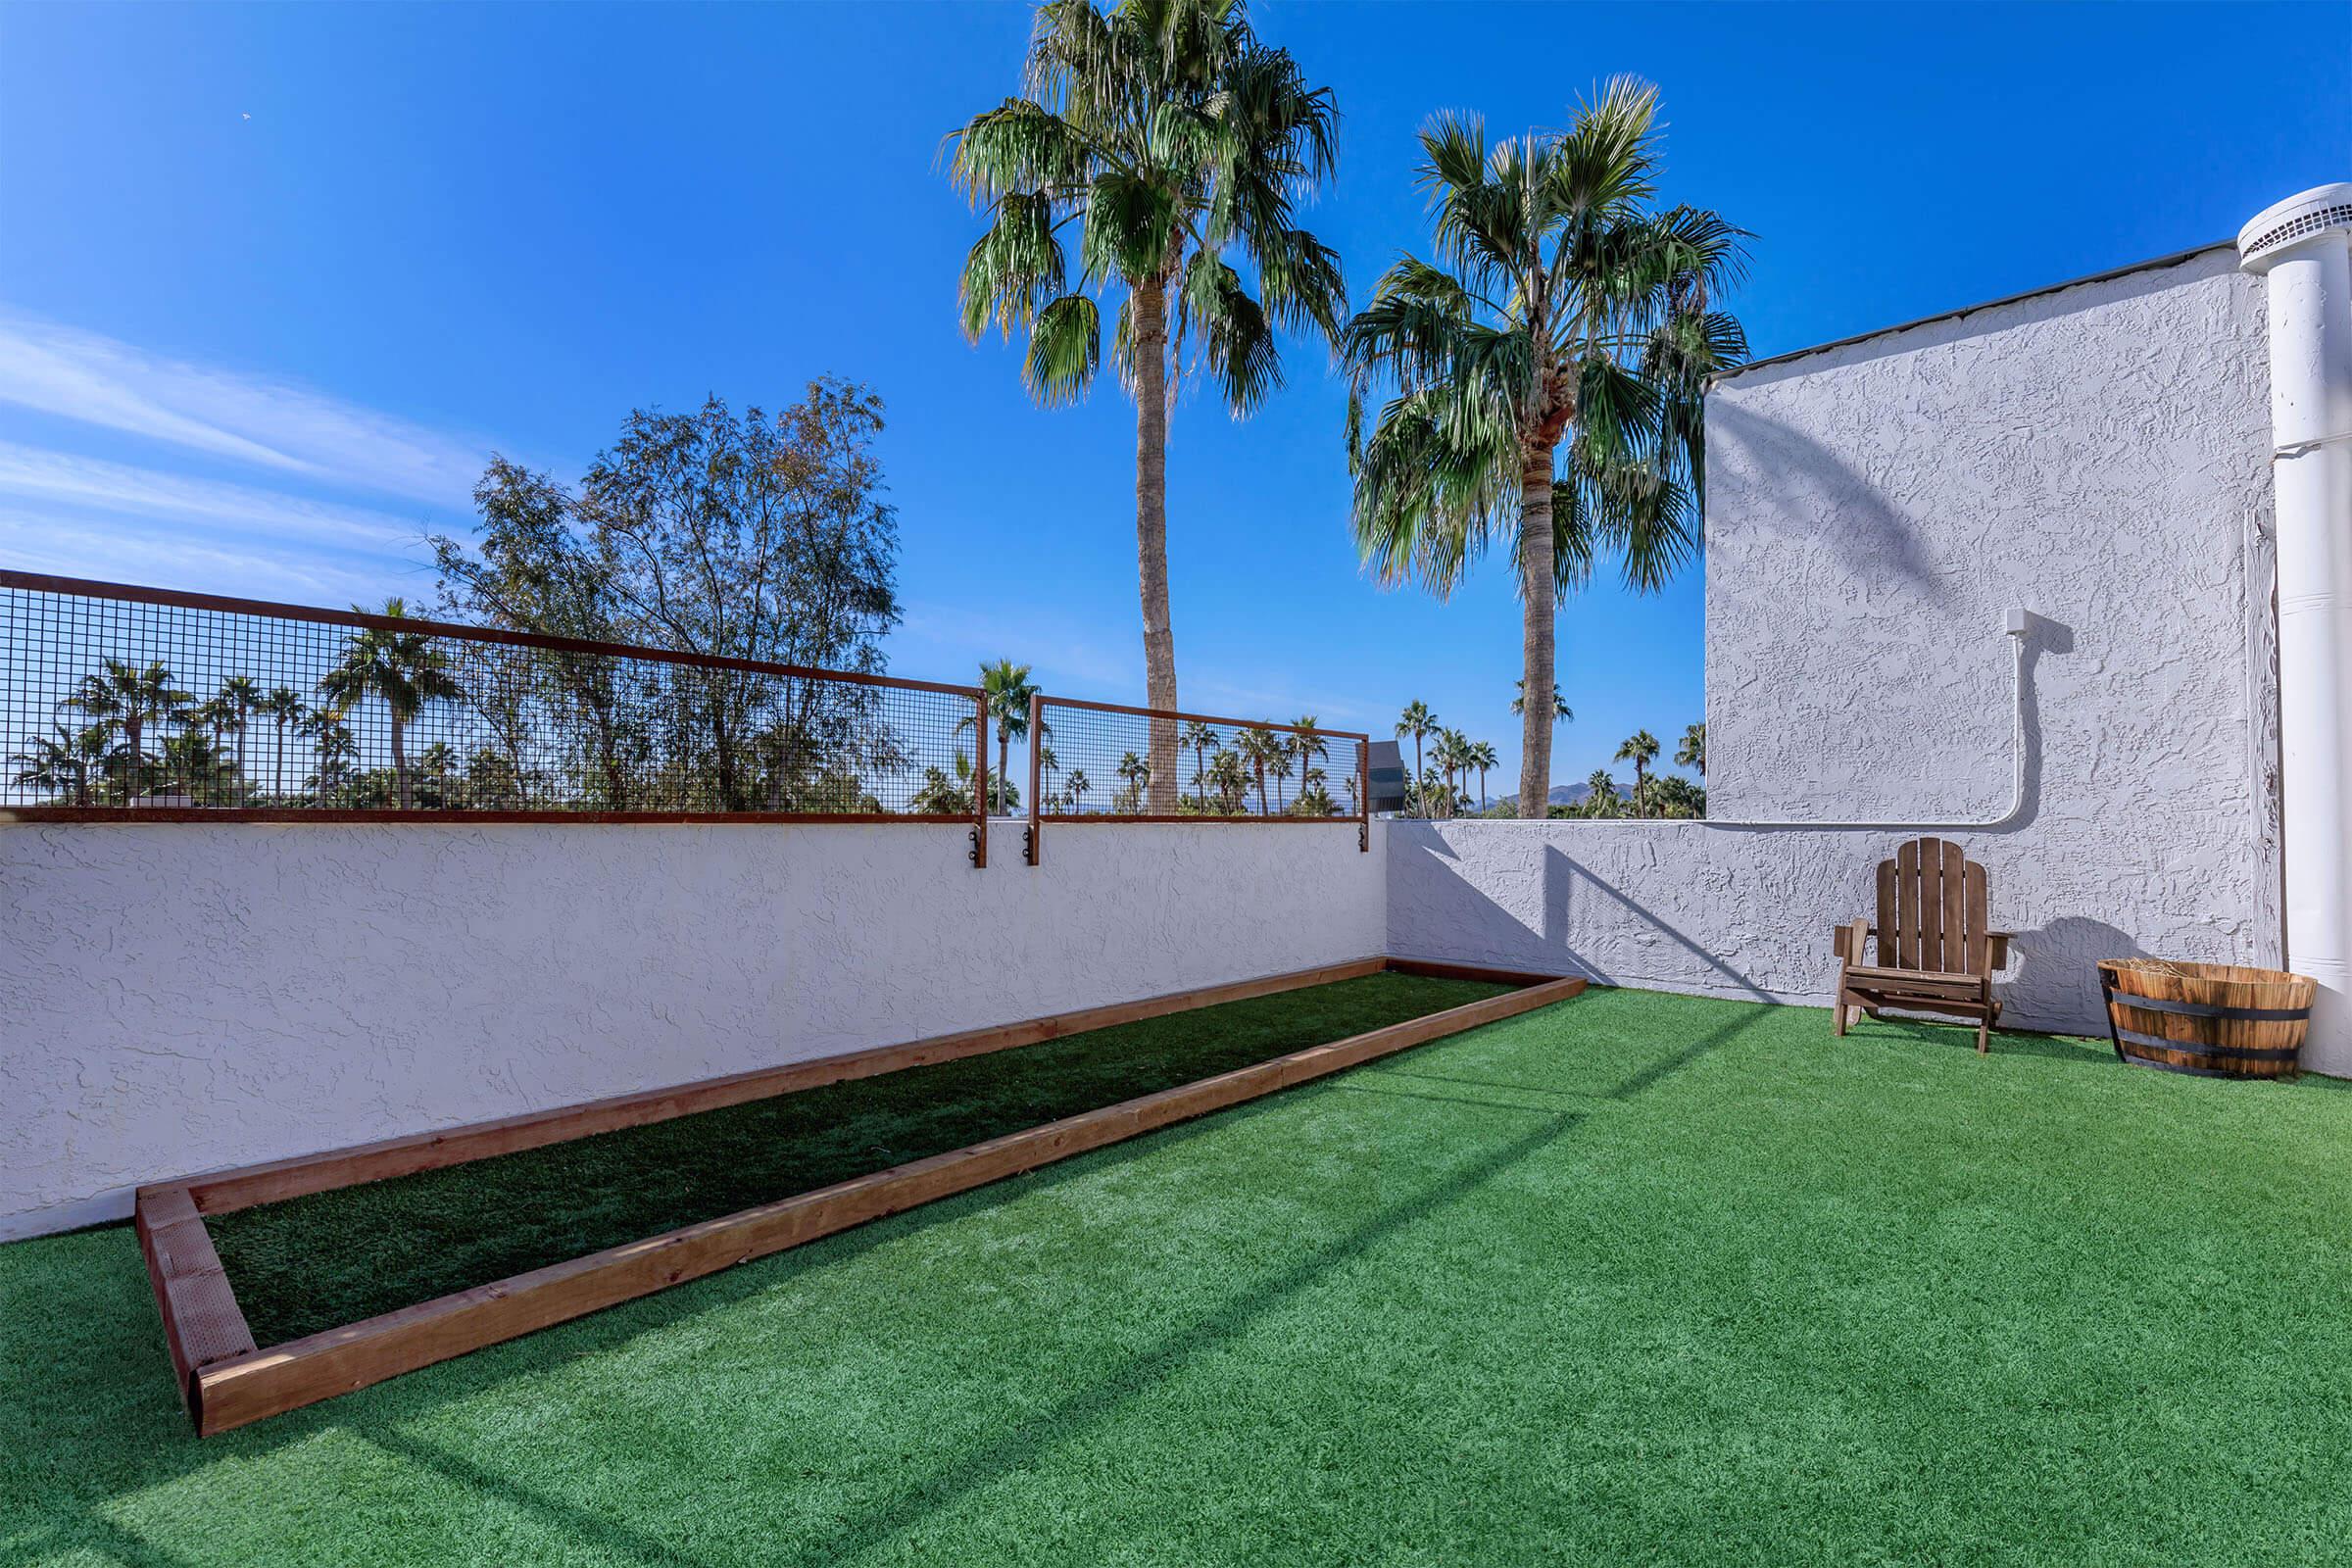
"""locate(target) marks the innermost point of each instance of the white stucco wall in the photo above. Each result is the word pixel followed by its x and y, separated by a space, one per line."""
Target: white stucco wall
pixel 183 996
pixel 2096 454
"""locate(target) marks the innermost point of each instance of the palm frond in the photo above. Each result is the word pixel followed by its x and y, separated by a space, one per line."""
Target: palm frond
pixel 1066 349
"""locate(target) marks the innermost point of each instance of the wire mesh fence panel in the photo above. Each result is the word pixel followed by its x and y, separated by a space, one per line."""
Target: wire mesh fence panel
pixel 1103 762
pixel 125 700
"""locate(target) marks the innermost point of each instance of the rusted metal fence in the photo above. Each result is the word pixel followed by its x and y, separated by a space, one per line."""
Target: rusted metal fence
pixel 1105 762
pixel 118 702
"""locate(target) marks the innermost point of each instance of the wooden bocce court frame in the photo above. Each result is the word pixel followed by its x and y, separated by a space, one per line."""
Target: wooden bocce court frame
pixel 228 1381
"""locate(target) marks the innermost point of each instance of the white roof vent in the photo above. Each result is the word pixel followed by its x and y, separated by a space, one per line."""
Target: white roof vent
pixel 2277 228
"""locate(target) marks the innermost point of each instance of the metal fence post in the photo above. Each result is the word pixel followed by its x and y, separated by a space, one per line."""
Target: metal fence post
pixel 1033 841
pixel 980 781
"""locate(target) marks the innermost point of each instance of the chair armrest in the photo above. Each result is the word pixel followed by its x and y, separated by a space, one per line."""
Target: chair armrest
pixel 1999 957
pixel 1847 940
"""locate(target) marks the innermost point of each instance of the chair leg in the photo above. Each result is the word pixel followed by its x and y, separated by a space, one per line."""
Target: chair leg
pixel 1985 1025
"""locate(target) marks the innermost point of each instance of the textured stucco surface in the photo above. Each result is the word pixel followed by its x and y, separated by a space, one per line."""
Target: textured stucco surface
pixel 181 998
pixel 2098 455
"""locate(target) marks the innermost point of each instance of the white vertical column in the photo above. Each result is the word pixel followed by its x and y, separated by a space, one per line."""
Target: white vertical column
pixel 2301 246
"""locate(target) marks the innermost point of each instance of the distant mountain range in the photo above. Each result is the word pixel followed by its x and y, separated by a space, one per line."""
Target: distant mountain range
pixel 1569 794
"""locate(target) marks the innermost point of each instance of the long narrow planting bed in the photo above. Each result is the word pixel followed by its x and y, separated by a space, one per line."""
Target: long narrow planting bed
pixel 289 1283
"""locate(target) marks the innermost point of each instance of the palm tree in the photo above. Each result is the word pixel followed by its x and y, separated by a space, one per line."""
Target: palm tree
pixel 1231 778
pixel 1564 313
pixel 1260 749
pixel 1692 752
pixel 1308 746
pixel 1009 690
pixel 128 697
pixel 336 747
pixel 1178 143
pixel 1561 713
pixel 191 764
pixel 242 695
pixel 1417 721
pixel 65 762
pixel 282 706
pixel 216 715
pixel 1601 794
pixel 1200 739
pixel 404 669
pixel 1048 764
pixel 1482 758
pixel 1078 786
pixel 1136 773
pixel 1640 749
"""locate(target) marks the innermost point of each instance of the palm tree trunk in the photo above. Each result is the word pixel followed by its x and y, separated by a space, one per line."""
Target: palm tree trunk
pixel 1151 528
pixel 400 764
pixel 1420 779
pixel 1539 601
pixel 1003 767
pixel 139 759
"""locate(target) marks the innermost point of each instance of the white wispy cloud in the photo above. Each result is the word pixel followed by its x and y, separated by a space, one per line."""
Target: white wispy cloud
pixel 60 478
pixel 201 562
pixel 253 419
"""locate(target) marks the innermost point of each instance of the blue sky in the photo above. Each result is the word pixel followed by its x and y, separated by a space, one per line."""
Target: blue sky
pixel 274 281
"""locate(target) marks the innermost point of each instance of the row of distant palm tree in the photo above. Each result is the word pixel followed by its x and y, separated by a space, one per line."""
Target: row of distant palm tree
pixel 1232 766
pixel 102 753
pixel 1441 782
pixel 1655 795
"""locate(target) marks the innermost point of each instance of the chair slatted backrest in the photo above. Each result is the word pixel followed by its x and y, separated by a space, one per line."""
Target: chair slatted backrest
pixel 1931 910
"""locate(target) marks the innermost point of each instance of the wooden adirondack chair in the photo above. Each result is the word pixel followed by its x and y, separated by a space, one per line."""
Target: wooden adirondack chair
pixel 1935 950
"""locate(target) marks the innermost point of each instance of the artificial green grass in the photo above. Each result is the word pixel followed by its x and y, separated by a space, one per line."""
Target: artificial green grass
pixel 336 1257
pixel 1633 1279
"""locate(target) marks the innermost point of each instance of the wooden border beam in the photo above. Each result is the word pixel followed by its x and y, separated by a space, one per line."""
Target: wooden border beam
pixel 228 1381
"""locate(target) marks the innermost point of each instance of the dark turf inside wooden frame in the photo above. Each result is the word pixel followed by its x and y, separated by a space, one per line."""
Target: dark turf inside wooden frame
pixel 228 1381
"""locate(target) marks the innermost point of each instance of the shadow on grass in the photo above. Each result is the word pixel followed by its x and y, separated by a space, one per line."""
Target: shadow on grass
pixel 1021 1446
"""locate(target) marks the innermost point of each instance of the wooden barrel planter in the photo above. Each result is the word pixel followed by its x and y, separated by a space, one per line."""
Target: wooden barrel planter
pixel 2218 1020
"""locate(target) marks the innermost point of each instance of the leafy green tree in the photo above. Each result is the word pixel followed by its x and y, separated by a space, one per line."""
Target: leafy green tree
pixel 1692 752
pixel 1077 786
pixel 1561 713
pixel 404 670
pixel 751 536
pixel 1640 749
pixel 1566 318
pixel 126 699
pixel 1418 722
pixel 1179 145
